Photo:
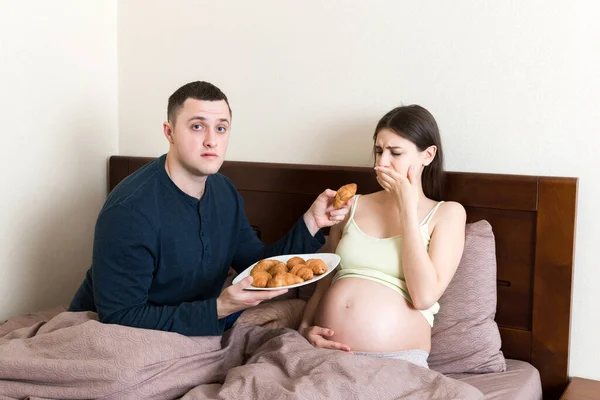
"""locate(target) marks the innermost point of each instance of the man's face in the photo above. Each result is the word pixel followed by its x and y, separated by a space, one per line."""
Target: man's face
pixel 199 136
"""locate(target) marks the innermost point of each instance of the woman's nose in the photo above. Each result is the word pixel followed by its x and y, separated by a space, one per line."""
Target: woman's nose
pixel 383 161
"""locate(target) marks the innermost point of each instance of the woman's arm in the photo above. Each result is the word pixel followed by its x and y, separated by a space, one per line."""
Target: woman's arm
pixel 427 274
pixel 317 335
pixel 335 234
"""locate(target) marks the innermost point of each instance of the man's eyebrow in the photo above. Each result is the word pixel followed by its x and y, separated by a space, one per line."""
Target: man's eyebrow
pixel 198 117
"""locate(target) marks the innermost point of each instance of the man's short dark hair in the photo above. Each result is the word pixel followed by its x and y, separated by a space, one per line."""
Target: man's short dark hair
pixel 198 90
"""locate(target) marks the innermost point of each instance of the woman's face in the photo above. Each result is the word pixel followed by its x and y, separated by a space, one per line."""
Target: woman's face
pixel 398 153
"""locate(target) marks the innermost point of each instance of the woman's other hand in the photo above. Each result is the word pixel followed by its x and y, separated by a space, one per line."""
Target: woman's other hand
pixel 317 337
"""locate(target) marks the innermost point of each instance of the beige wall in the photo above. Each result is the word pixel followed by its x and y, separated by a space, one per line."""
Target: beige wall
pixel 58 107
pixel 513 84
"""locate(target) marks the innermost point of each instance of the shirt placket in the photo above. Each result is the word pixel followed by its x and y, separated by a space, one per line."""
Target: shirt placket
pixel 204 237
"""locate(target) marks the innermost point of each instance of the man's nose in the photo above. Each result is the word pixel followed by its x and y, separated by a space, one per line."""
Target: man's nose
pixel 210 140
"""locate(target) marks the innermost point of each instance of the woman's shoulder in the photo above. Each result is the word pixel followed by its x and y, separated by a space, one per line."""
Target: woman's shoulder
pixel 452 207
pixel 451 212
pixel 374 197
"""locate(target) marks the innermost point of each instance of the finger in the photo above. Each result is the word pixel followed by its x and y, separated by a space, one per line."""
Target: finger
pixel 411 175
pixel 349 204
pixel 330 344
pixel 383 184
pixel 317 330
pixel 379 175
pixel 275 293
pixel 336 219
pixel 385 171
pixel 387 179
pixel 254 296
pixel 329 193
pixel 243 284
pixel 342 211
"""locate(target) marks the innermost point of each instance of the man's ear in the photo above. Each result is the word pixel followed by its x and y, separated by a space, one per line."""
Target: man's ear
pixel 429 154
pixel 168 131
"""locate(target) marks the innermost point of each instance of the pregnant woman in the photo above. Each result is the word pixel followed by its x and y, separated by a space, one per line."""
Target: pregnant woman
pixel 399 249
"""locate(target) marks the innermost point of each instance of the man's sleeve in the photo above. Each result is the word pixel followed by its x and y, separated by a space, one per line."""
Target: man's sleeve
pixel 123 264
pixel 250 249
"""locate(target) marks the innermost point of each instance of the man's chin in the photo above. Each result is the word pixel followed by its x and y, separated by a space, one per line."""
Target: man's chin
pixel 206 170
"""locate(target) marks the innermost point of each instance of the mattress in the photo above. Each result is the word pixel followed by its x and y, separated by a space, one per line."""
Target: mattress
pixel 521 380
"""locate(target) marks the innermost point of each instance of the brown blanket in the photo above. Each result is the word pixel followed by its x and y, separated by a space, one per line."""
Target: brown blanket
pixel 73 356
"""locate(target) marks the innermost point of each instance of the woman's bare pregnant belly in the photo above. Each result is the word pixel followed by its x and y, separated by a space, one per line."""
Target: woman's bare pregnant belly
pixel 369 316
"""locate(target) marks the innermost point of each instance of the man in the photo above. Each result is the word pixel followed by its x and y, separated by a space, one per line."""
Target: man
pixel 168 233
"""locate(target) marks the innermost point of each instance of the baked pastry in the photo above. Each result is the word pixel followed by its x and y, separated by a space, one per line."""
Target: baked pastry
pixel 344 194
pixel 291 279
pixel 305 273
pixel 296 267
pixel 260 278
pixel 279 268
pixel 273 273
pixel 295 260
pixel 265 265
pixel 277 281
pixel 317 266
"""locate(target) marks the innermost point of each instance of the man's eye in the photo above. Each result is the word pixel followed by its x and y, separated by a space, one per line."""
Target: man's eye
pixel 221 129
pixel 196 127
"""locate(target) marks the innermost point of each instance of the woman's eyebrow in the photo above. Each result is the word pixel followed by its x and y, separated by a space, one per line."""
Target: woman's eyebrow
pixel 389 147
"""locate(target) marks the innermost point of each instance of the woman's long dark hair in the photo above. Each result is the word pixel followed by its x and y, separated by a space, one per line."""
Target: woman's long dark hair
pixel 416 124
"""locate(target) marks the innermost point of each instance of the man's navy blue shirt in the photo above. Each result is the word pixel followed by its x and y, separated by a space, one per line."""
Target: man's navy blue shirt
pixel 161 257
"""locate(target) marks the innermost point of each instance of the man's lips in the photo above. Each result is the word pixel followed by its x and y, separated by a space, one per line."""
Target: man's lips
pixel 210 155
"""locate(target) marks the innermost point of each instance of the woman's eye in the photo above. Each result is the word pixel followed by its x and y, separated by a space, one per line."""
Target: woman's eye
pixel 396 154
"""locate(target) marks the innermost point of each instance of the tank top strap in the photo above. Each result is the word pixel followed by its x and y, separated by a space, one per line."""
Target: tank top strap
pixel 430 214
pixel 353 208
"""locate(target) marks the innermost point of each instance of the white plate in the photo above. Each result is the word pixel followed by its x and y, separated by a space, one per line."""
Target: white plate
pixel 330 259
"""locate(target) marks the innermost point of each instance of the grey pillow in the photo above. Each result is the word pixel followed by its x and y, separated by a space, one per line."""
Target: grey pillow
pixel 465 337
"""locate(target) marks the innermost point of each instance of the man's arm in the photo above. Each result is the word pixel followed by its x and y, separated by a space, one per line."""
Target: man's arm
pixel 250 249
pixel 123 265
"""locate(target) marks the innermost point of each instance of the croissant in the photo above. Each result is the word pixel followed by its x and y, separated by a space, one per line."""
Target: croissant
pixel 260 278
pixel 264 265
pixel 258 272
pixel 296 267
pixel 305 273
pixel 291 279
pixel 277 281
pixel 344 194
pixel 317 266
pixel 295 260
pixel 279 268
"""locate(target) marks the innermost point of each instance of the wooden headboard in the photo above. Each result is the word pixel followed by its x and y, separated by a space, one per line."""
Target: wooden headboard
pixel 533 219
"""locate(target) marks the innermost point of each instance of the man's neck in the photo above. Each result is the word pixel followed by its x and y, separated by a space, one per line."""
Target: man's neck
pixel 191 185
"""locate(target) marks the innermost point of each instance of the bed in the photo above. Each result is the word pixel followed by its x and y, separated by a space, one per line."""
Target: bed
pixel 533 220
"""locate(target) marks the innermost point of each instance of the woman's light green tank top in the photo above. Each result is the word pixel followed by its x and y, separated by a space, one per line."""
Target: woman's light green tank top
pixel 379 260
